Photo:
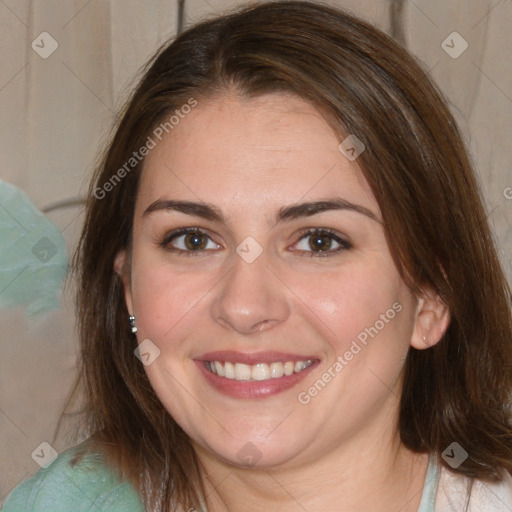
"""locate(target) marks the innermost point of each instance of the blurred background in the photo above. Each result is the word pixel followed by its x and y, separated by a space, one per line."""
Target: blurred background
pixel 66 68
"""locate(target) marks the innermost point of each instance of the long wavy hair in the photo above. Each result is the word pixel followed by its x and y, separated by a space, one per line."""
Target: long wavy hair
pixel 417 166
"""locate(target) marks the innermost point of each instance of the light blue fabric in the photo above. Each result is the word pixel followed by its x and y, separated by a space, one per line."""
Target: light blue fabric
pixel 33 255
pixel 428 498
pixel 88 486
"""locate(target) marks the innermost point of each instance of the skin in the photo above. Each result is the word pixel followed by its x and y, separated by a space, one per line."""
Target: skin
pixel 249 158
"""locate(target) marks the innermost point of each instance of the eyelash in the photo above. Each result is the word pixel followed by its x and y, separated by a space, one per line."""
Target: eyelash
pixel 180 232
pixel 344 245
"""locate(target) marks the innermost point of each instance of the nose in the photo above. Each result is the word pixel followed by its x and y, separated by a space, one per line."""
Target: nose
pixel 251 298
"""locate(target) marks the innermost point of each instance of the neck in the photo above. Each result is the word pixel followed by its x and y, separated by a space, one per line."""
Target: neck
pixel 369 473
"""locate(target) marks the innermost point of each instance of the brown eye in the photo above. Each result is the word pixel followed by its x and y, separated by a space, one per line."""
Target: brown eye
pixel 320 242
pixel 194 241
pixel 188 241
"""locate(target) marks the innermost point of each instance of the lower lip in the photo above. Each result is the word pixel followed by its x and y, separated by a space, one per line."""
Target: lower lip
pixel 253 389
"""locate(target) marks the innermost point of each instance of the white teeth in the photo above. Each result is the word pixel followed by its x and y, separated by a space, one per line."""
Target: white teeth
pixel 219 368
pixel 242 371
pixel 276 370
pixel 299 365
pixel 288 368
pixel 229 370
pixel 259 371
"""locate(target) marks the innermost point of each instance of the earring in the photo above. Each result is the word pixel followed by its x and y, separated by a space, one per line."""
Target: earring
pixel 425 340
pixel 131 319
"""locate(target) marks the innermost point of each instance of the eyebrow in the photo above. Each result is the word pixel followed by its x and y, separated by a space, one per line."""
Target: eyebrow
pixel 286 213
pixel 203 210
pixel 295 211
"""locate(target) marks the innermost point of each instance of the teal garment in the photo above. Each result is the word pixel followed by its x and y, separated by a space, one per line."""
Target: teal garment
pixel 90 486
pixel 430 485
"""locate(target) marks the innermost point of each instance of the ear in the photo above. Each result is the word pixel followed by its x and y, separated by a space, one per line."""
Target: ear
pixel 431 320
pixel 122 268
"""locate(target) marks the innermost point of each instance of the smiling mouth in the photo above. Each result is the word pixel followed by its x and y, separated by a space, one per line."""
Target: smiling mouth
pixel 256 372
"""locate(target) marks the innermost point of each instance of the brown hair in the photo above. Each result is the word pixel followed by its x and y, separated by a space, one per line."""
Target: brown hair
pixel 415 161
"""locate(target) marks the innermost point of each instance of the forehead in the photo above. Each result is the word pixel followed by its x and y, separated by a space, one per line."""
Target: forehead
pixel 277 144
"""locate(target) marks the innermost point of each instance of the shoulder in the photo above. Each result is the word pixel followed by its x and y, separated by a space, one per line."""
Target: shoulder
pixel 453 490
pixel 87 485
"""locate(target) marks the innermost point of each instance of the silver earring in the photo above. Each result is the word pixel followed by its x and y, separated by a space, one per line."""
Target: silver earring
pixel 425 340
pixel 133 327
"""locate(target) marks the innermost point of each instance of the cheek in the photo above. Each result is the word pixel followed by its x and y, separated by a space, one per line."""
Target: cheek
pixel 364 313
pixel 166 302
pixel 366 316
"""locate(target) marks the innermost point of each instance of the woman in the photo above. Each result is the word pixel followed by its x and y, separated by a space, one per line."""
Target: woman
pixel 289 296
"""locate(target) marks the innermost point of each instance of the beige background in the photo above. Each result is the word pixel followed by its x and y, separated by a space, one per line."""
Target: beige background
pixel 55 114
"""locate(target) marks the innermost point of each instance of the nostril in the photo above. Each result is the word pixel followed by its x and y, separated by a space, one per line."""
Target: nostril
pixel 261 325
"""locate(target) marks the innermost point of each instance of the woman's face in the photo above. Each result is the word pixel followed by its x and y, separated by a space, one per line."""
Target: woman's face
pixel 285 261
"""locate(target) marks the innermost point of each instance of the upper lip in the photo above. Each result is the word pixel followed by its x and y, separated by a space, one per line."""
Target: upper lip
pixel 253 358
